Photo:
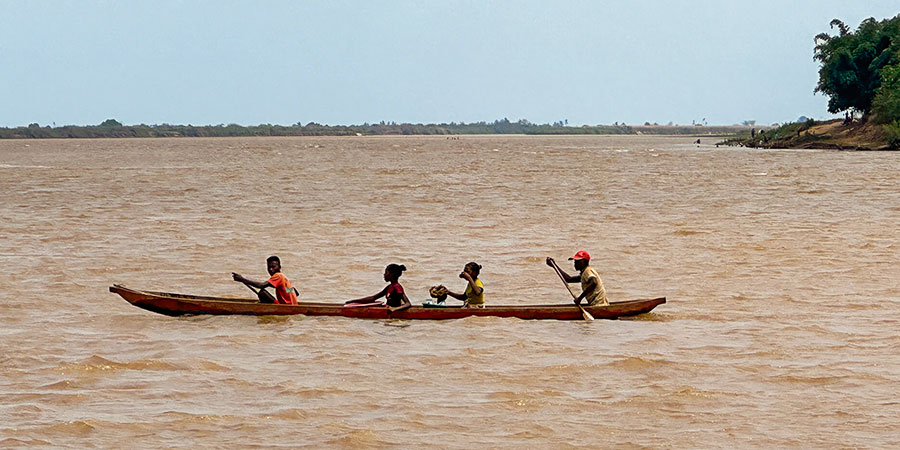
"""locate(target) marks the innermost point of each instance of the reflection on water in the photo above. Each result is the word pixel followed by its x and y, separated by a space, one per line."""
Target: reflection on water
pixel 780 268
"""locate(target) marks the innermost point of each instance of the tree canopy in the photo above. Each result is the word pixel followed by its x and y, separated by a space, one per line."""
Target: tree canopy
pixel 886 104
pixel 854 64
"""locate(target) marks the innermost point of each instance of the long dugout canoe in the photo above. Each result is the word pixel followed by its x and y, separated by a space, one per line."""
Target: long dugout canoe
pixel 172 304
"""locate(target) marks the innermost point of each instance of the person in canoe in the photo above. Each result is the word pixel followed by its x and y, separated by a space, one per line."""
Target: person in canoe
pixel 285 293
pixel 393 292
pixel 592 289
pixel 473 297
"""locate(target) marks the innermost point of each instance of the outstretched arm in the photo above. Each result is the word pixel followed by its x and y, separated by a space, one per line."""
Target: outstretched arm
pixel 370 298
pixel 456 295
pixel 567 277
pixel 257 284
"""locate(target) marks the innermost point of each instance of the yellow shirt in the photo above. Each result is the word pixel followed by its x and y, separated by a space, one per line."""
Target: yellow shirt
pixel 598 296
pixel 471 298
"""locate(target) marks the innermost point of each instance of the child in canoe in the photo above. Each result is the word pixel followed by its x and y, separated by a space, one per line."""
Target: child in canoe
pixel 285 293
pixel 393 292
pixel 473 297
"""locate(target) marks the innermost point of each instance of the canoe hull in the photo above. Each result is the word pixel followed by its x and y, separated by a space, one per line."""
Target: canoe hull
pixel 172 304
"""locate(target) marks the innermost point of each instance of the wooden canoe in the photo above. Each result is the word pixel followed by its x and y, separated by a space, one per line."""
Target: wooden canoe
pixel 180 304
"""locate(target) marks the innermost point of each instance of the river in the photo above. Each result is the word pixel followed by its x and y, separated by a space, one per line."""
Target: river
pixel 781 270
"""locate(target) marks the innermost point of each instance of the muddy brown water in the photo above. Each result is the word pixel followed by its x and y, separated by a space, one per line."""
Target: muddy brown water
pixel 782 271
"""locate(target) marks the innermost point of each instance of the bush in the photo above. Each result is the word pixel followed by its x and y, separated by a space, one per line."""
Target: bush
pixel 892 133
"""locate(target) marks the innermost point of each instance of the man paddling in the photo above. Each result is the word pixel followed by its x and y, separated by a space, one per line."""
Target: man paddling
pixel 592 289
pixel 285 294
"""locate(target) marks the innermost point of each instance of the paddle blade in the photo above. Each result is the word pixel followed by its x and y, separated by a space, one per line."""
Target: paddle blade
pixel 587 316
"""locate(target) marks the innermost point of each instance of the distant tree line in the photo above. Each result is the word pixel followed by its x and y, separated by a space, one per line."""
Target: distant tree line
pixel 860 71
pixel 114 129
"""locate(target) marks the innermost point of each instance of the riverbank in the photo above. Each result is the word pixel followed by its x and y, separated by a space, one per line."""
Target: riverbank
pixel 834 134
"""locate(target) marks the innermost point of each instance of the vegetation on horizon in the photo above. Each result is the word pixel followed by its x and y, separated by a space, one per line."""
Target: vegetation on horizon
pixel 112 128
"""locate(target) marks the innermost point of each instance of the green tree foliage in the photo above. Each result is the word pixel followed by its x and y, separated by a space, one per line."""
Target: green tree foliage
pixel 886 105
pixel 111 123
pixel 852 62
pixel 892 134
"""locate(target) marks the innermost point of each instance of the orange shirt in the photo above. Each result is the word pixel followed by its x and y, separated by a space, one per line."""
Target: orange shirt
pixel 284 292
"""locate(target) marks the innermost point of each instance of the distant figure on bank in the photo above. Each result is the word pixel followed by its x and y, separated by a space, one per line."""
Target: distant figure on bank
pixel 592 289
pixel 393 292
pixel 285 293
pixel 473 297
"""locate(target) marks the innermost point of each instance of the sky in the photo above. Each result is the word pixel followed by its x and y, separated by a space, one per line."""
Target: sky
pixel 354 62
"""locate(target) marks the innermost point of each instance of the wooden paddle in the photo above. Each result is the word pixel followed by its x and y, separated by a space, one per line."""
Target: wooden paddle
pixel 587 316
pixel 263 295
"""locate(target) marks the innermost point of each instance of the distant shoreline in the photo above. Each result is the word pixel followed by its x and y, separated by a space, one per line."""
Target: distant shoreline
pixel 114 129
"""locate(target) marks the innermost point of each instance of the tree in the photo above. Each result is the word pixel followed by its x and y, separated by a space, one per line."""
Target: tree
pixel 886 104
pixel 111 123
pixel 852 62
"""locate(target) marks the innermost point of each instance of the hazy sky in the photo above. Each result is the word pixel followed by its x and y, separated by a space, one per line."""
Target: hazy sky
pixel 350 62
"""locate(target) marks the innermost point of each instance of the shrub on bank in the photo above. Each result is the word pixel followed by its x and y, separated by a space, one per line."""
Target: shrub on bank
pixel 892 133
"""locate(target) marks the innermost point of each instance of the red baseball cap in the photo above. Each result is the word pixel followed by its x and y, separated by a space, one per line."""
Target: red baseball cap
pixel 581 254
